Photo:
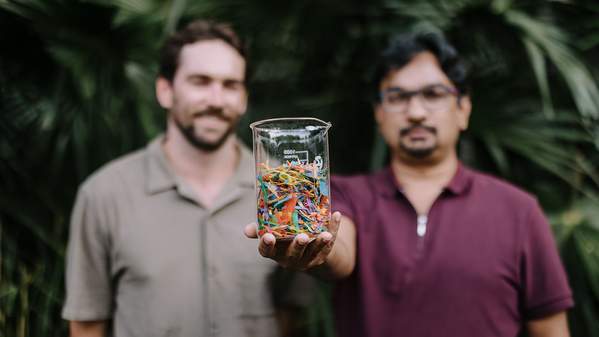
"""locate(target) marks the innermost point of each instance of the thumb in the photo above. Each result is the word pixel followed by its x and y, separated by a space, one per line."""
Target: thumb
pixel 334 224
pixel 250 230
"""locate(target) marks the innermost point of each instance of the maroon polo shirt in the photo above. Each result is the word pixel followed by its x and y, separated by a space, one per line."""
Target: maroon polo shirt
pixel 480 263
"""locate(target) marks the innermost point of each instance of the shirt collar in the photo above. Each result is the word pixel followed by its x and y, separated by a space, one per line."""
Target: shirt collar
pixel 388 186
pixel 160 176
pixel 461 181
pixel 244 173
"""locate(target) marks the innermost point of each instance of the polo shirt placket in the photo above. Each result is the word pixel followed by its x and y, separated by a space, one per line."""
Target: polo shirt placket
pixel 231 192
pixel 425 224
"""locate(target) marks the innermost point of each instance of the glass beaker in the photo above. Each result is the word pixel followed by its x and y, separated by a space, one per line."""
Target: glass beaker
pixel 292 176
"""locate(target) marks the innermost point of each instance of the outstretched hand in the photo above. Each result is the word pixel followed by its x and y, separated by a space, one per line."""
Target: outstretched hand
pixel 301 253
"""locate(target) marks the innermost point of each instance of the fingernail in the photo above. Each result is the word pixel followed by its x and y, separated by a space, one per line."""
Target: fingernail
pixel 269 239
pixel 302 239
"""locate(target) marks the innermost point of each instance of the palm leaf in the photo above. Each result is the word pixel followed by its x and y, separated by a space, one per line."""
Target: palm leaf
pixel 554 43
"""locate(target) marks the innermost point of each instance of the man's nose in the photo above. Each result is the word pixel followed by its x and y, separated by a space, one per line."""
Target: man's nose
pixel 216 95
pixel 415 110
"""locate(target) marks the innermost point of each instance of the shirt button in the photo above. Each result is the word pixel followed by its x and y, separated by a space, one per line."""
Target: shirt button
pixel 213 329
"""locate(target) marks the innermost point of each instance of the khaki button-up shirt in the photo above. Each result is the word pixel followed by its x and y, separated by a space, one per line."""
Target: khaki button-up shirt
pixel 144 253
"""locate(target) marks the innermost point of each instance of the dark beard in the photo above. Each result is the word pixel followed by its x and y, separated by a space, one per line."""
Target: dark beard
pixel 419 153
pixel 197 141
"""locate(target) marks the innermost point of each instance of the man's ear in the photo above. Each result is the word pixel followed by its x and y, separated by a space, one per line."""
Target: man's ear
pixel 245 102
pixel 463 111
pixel 378 113
pixel 164 93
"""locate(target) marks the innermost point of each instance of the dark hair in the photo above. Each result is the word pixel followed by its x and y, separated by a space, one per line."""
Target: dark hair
pixel 405 46
pixel 199 30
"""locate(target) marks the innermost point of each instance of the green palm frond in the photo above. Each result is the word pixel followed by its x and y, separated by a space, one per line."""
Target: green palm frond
pixel 540 36
pixel 540 69
pixel 74 93
pixel 577 234
pixel 553 145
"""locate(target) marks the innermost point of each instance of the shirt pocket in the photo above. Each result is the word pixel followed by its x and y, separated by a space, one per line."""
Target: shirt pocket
pixel 255 290
pixel 256 308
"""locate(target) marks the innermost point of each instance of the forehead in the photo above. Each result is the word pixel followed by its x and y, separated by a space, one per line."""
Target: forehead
pixel 422 70
pixel 214 58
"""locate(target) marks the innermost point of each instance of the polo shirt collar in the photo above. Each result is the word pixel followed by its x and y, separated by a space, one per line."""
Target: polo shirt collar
pixel 244 173
pixel 461 181
pixel 388 186
pixel 160 176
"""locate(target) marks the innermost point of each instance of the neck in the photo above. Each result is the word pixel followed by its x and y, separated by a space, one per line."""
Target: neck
pixel 205 167
pixel 438 172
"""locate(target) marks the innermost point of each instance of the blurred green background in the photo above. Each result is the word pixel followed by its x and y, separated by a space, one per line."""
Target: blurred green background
pixel 76 90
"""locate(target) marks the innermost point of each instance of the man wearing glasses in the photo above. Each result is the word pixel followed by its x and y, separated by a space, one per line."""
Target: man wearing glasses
pixel 427 246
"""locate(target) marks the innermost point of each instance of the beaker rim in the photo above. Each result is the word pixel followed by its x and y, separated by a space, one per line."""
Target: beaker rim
pixel 258 124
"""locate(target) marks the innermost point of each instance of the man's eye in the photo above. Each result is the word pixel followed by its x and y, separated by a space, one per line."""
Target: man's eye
pixel 397 97
pixel 200 80
pixel 433 94
pixel 233 85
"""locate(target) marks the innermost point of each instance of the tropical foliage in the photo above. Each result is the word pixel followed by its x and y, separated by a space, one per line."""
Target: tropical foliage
pixel 76 90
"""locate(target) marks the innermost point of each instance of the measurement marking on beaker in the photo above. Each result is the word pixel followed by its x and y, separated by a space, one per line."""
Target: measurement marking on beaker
pixel 299 156
pixel 318 162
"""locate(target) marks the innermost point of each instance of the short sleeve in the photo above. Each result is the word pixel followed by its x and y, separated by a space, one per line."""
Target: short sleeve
pixel 545 286
pixel 340 200
pixel 88 286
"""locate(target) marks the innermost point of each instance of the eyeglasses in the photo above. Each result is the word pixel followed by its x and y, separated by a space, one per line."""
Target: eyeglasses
pixel 433 98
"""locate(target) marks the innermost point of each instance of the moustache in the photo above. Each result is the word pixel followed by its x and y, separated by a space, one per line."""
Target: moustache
pixel 409 129
pixel 213 112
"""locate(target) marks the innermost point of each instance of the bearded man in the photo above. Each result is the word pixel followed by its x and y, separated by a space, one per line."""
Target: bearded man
pixel 155 248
